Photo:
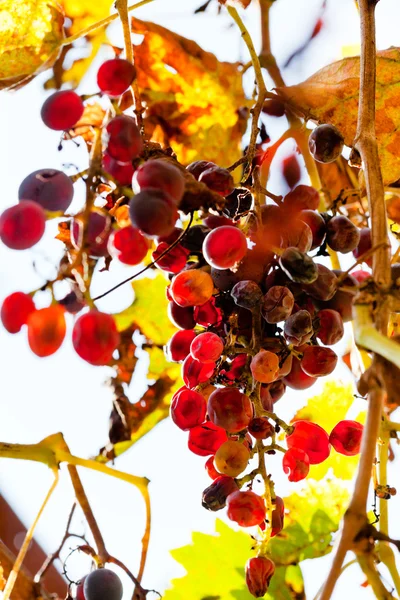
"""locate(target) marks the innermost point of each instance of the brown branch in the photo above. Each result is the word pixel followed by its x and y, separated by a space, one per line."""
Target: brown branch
pixel 365 143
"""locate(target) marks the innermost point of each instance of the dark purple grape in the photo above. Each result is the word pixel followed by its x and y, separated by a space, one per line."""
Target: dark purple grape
pixel 102 584
pixel 317 225
pixel 123 139
pixel 277 304
pixel 181 316
pixel 324 287
pixel 224 279
pixel 364 245
pixel 214 497
pixel 341 235
pixel 72 302
pixel 303 197
pixel 218 180
pixel 298 328
pixel 52 189
pixel 194 238
pixel 153 212
pixel 196 168
pixel 325 143
pixel 299 267
pixel 246 294
pixel 274 108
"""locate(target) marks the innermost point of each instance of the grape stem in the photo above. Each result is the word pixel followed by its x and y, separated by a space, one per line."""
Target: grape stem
pixel 366 144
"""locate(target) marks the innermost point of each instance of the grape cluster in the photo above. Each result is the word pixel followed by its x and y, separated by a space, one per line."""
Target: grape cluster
pixel 255 312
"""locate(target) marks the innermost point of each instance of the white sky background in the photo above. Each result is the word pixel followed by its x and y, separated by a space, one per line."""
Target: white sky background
pixel 62 393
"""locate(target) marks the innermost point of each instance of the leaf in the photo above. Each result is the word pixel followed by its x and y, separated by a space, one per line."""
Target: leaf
pixel 242 3
pixel 327 410
pixel 313 515
pixel 331 96
pixel 31 32
pixel 193 100
pixel 149 310
pixel 215 569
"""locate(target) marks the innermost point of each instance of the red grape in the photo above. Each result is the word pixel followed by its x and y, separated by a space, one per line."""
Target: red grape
pixel 211 470
pixel 198 167
pixel 296 464
pixel 360 275
pixel 364 245
pixel 260 428
pixel 192 288
pixel 231 458
pixel 15 311
pixel 245 508
pixel 97 233
pixel 271 393
pixel 194 372
pixel 214 497
pixel 217 179
pixel 317 225
pixel 178 346
pixel 318 361
pixel 62 110
pixel 128 245
pixel 291 170
pixel 50 188
pixel 297 379
pixel 122 173
pixel 188 409
pixel 264 366
pixel 153 212
pixel 277 517
pixel 207 347
pixel 115 76
pixel 311 438
pixel 161 175
pixel 230 409
pixel 259 571
pixel 123 139
pixel 22 225
pixel 346 437
pixel 303 197
pixel 224 247
pixel 330 326
pixel 181 316
pixel 46 330
pixel 95 337
pixel 174 261
pixel 297 235
pixel 235 369
pixel 206 439
pixel 214 221
pixel 342 235
pixel 208 314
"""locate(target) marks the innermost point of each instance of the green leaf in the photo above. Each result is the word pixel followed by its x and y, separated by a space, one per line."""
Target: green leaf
pixel 215 569
pixel 148 310
pixel 327 409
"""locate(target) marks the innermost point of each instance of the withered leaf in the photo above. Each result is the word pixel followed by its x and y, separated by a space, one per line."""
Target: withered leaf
pixel 93 116
pixel 193 100
pixel 242 3
pixel 331 96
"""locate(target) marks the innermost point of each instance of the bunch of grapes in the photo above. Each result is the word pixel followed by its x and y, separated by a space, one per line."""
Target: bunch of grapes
pixel 255 312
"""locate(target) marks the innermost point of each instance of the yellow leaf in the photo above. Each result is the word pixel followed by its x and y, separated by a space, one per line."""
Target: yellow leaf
pixel 331 96
pixel 327 410
pixel 193 99
pixel 85 12
pixel 30 35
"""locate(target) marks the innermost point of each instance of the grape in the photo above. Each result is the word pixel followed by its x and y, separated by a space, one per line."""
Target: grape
pixel 153 212
pixel 206 439
pixel 364 245
pixel 192 288
pixel 188 409
pixel 260 428
pixel 102 584
pixel 259 571
pixel 214 221
pixel 317 225
pixel 218 180
pixel 22 225
pixel 236 368
pixel 214 497
pixel 128 245
pixel 198 167
pixel 122 139
pixel 360 276
pixel 274 108
pixel 161 175
pixel 303 197
pixel 311 438
pixel 224 247
pixel 62 110
pixel 297 235
pixel 97 233
pixel 194 238
pixel 239 202
pixel 330 326
pixel 264 366
pixel 194 372
pixel 224 279
pixel 299 267
pixel 325 143
pixel 271 393
pixel 277 517
pixel 46 330
pixel 207 347
pixel 208 314
pixel 230 408
pixel 395 273
pixel 277 304
pixel 245 508
pixel 296 464
pixel 95 337
pixel 175 259
pixel 318 361
pixel 211 470
pixel 291 170
pixel 324 287
pixel 297 379
pixel 79 590
pixel 246 294
pixel 50 188
pixel 298 328
pixel 122 173
pixel 115 76
pixel 231 458
pixel 181 316
pixel 73 302
pixel 346 437
pixel 15 311
pixel 341 235
pixel 178 346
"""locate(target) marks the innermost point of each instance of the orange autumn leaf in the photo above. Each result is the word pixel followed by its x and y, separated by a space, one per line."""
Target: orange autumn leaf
pixel 331 96
pixel 193 100
pixel 31 33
